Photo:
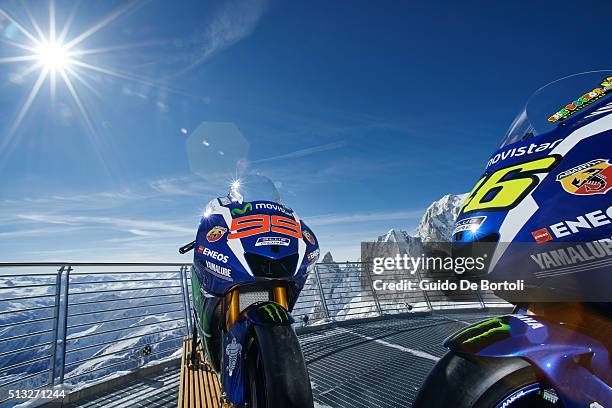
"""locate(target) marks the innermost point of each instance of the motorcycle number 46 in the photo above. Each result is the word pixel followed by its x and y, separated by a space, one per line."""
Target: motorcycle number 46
pixel 260 224
pixel 505 188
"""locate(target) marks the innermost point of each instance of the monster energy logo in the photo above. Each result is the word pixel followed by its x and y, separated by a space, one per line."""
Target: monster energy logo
pixel 275 311
pixel 247 207
pixel 500 326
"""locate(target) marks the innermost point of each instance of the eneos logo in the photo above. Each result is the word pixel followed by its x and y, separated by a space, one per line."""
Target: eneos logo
pixel 594 177
pixel 216 234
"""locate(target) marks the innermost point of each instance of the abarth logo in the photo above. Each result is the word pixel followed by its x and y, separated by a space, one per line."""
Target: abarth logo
pixel 594 177
pixel 309 237
pixel 216 234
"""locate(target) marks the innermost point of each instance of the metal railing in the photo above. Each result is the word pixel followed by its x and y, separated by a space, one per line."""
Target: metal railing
pixel 72 324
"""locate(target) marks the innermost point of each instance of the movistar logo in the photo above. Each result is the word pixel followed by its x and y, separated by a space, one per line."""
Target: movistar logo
pixel 497 325
pixel 247 207
pixel 275 311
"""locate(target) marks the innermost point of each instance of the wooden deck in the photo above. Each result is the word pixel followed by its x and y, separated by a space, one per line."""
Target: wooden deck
pixel 199 388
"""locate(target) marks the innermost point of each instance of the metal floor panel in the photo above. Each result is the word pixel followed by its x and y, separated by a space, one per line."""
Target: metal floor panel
pixel 158 391
pixel 363 365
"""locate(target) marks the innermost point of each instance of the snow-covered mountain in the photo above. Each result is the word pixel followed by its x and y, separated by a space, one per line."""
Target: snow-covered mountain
pixel 436 224
pixel 343 285
pixel 439 218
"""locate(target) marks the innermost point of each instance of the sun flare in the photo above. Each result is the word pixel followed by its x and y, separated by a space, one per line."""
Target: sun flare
pixel 56 59
pixel 53 55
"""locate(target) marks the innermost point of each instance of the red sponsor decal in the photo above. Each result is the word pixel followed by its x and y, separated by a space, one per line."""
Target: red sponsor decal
pixel 542 235
pixel 200 249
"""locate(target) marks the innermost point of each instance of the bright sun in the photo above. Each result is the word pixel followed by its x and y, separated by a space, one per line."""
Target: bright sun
pixel 52 55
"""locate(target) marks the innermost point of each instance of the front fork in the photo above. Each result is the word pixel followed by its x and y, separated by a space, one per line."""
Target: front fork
pixel 231 304
pixel 238 325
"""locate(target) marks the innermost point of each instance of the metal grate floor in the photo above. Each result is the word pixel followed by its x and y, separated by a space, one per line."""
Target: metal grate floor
pixel 375 364
pixel 157 391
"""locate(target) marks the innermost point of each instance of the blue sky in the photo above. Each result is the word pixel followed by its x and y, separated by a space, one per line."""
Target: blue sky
pixel 363 113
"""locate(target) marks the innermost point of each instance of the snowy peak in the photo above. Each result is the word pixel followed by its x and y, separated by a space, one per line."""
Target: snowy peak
pixel 394 236
pixel 328 258
pixel 439 218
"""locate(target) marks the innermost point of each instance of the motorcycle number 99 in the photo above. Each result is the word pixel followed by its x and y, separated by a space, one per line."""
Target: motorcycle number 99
pixel 259 224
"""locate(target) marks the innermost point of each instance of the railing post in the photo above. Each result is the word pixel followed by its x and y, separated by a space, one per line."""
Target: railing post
pixel 364 268
pixel 321 294
pixel 480 299
pixel 425 295
pixel 56 314
pixel 186 307
pixel 64 315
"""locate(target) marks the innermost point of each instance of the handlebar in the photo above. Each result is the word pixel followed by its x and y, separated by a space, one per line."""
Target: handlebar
pixel 187 247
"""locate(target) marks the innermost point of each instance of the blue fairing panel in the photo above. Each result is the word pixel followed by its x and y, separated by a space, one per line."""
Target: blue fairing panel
pixel 550 347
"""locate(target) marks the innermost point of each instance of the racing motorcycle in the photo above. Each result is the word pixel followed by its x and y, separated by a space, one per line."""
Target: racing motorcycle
pixel 542 213
pixel 252 255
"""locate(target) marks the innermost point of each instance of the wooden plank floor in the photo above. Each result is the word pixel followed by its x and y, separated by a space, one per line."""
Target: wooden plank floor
pixel 198 388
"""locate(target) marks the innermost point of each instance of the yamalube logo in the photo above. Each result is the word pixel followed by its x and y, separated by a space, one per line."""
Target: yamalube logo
pixel 261 241
pixel 222 272
pixel 593 177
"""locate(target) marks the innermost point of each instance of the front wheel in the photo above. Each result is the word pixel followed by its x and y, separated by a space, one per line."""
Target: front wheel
pixel 276 374
pixel 462 382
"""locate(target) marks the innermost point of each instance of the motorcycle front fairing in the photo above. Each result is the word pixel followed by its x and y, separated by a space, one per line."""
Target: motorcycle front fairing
pixel 253 243
pixel 544 195
pixel 574 364
pixel 237 243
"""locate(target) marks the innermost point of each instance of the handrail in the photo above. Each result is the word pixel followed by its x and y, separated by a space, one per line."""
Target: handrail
pixel 62 341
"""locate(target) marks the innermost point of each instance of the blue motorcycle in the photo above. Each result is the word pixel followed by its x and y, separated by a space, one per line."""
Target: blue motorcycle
pixel 541 213
pixel 252 255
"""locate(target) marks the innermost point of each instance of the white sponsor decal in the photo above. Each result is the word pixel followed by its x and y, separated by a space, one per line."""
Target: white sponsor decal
pixel 593 219
pixel 607 108
pixel 522 151
pixel 469 224
pixel 221 271
pixel 274 207
pixel 215 255
pixel 313 255
pixel 513 398
pixel 261 241
pixel 233 351
pixel 573 255
pixel 529 321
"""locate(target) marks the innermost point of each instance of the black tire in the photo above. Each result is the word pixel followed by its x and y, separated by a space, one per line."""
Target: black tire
pixel 276 374
pixel 466 382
